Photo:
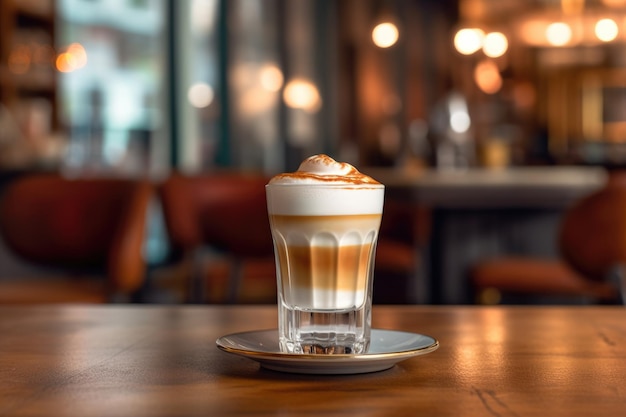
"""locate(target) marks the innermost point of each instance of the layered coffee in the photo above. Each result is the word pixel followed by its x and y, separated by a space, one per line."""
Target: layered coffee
pixel 324 220
pixel 328 258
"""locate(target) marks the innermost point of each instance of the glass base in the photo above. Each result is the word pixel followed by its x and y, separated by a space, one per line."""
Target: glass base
pixel 324 332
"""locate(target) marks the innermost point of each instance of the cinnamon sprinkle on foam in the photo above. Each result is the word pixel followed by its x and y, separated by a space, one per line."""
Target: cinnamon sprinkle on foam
pixel 324 169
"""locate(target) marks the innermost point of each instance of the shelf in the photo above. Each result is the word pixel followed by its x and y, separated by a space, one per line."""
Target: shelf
pixel 27 54
pixel 44 83
pixel 39 9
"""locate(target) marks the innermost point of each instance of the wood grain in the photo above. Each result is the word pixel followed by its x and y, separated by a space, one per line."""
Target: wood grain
pixel 162 361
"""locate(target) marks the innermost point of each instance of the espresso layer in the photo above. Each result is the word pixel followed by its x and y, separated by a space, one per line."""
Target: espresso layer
pixel 342 268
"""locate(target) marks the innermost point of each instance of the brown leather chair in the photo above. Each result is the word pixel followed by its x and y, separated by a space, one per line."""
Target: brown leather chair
pixel 226 212
pixel 592 242
pixel 218 224
pixel 89 231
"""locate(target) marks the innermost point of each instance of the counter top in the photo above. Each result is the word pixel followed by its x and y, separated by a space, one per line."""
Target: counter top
pixel 511 187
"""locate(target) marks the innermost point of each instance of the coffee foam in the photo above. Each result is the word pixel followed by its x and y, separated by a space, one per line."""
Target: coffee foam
pixel 322 187
pixel 322 169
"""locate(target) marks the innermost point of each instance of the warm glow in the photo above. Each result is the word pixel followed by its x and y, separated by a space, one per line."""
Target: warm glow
pixel 606 30
pixel 271 78
pixel 385 35
pixel 558 34
pixel 495 44
pixel 64 62
pixel 533 32
pixel 256 101
pixel 74 58
pixel 302 94
pixel 200 95
pixel 467 41
pixel 487 77
pixel 571 7
pixel 79 55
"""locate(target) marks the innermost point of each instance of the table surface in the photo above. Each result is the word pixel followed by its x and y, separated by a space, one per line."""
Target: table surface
pixel 162 361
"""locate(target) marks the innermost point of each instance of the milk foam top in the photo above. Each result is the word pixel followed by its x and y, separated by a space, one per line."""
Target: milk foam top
pixel 322 169
pixel 322 186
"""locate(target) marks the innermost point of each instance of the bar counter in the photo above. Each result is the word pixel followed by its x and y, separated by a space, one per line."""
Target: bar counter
pixel 480 214
pixel 514 187
pixel 125 360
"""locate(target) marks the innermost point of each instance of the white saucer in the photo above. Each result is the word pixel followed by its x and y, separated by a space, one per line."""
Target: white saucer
pixel 387 347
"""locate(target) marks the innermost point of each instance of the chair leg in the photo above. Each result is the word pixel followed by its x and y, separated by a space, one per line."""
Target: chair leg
pixel 196 289
pixel 621 277
pixel 618 277
pixel 235 281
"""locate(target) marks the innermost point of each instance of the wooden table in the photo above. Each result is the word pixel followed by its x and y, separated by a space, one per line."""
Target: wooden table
pixel 162 361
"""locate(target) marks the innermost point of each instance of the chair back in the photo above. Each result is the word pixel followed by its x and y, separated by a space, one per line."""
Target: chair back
pixel 593 232
pixel 79 225
pixel 225 210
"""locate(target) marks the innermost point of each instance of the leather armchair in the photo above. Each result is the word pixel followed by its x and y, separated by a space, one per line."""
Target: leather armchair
pixel 88 231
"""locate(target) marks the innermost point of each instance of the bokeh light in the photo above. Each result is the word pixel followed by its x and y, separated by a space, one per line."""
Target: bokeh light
pixel 302 94
pixel 385 35
pixel 271 77
pixel 75 57
pixel 468 40
pixel 460 121
pixel 495 44
pixel 558 33
pixel 200 95
pixel 606 30
pixel 487 77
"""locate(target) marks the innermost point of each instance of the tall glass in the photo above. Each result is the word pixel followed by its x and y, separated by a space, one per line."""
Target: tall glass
pixel 324 243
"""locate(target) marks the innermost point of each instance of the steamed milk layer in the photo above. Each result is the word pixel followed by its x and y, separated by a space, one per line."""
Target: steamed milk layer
pixel 325 219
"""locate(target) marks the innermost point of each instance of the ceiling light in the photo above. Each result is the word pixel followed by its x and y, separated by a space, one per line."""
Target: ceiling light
pixel 558 33
pixel 385 35
pixel 468 40
pixel 606 30
pixel 495 44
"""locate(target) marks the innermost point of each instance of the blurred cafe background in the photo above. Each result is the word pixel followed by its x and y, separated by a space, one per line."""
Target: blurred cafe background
pixel 136 137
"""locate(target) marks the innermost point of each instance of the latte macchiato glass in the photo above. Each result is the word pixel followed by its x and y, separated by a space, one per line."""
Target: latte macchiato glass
pixel 324 220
